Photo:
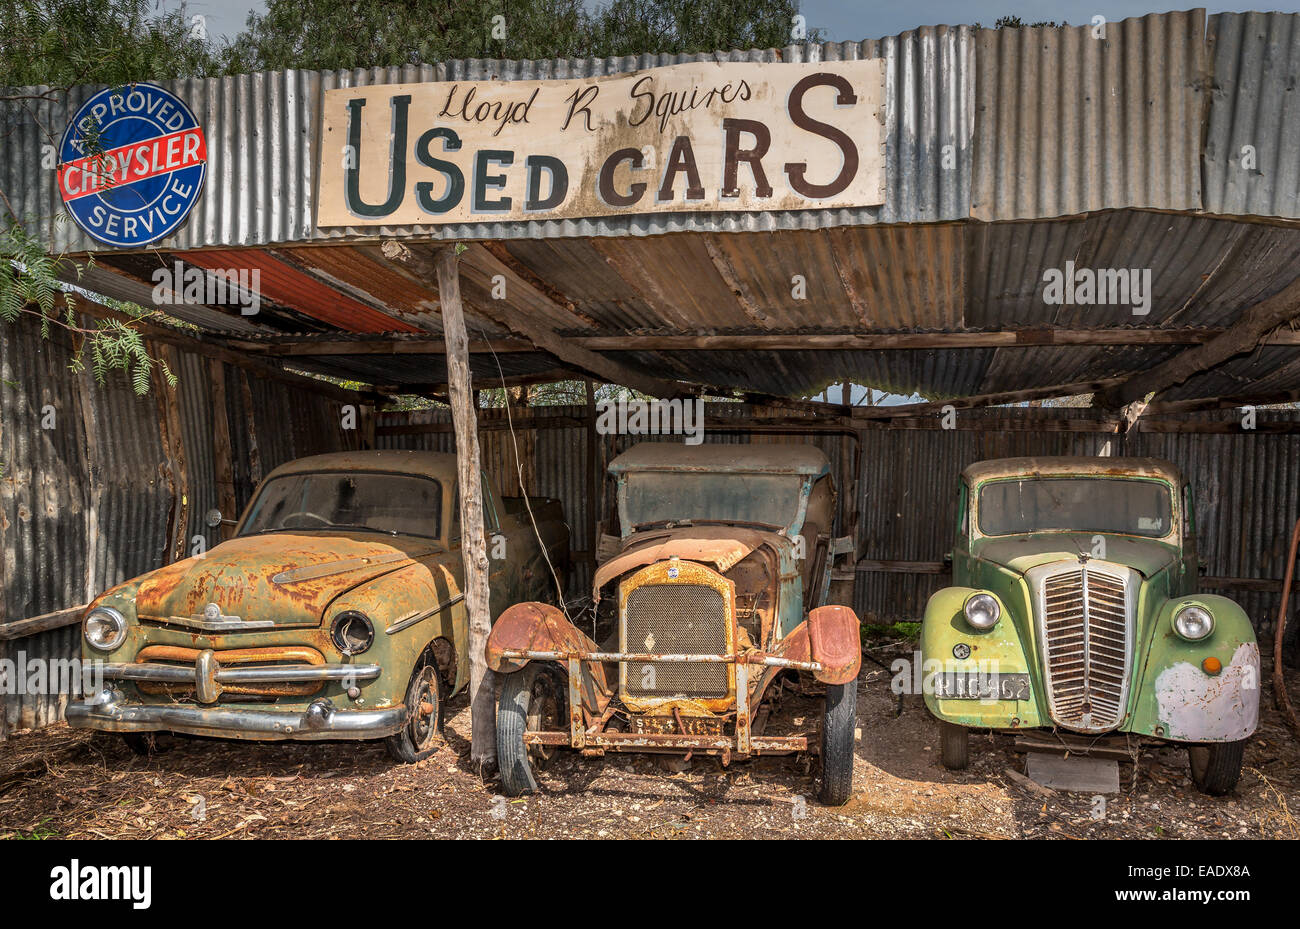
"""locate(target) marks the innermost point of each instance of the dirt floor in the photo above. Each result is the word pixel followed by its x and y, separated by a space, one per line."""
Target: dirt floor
pixel 63 783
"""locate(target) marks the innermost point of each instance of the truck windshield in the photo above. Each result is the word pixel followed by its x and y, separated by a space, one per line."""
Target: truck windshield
pixel 675 496
pixel 1077 504
pixel 348 501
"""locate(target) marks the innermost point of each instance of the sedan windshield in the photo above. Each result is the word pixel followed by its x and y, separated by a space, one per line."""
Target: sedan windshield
pixel 1076 504
pixel 348 501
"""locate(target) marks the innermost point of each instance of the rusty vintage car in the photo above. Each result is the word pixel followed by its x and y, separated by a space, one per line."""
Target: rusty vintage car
pixel 715 598
pixel 334 612
pixel 1075 608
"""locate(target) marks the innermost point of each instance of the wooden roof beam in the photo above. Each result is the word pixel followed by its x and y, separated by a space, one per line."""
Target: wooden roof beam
pixel 1249 331
pixel 544 338
pixel 403 344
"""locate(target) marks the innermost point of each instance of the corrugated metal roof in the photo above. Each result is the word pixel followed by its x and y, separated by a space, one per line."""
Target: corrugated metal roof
pixel 262 136
pixel 1068 122
pixel 1252 130
pixel 1084 149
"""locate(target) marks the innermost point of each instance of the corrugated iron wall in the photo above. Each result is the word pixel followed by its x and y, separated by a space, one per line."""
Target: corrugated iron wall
pixel 1247 485
pixel 1253 128
pixel 1072 120
pixel 88 491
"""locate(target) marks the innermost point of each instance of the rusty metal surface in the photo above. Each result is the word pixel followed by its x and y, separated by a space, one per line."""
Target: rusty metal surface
pixel 835 643
pixel 716 545
pixel 1072 464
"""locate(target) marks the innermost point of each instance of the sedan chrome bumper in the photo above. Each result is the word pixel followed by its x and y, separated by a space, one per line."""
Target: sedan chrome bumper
pixel 109 711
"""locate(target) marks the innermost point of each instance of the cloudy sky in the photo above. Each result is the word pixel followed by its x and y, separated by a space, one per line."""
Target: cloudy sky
pixel 856 19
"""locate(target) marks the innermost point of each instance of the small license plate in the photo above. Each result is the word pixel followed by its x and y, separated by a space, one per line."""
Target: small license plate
pixel 694 725
pixel 981 685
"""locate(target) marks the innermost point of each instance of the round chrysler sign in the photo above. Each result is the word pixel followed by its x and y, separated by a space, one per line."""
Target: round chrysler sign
pixel 131 164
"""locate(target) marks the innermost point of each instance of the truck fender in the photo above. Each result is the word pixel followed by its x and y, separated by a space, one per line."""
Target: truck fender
pixel 831 636
pixel 540 627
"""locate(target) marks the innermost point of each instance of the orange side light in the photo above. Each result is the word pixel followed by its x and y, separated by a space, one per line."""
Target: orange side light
pixel 1212 665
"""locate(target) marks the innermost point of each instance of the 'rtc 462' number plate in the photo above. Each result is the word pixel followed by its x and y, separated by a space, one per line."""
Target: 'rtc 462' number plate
pixel 981 685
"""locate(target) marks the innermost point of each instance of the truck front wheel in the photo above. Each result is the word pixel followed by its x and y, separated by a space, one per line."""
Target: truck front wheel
pixel 839 729
pixel 532 700
pixel 954 746
pixel 1216 766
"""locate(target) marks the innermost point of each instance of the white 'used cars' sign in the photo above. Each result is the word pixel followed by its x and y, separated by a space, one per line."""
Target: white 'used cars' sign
pixel 707 137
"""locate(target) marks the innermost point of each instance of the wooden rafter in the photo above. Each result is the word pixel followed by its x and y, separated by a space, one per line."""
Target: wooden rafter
pixel 544 338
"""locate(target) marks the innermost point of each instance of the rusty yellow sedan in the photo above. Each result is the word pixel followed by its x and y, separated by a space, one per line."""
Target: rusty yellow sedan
pixel 334 612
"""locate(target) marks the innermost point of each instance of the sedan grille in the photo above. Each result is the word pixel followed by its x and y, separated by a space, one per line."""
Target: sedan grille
pixel 1085 626
pixel 676 619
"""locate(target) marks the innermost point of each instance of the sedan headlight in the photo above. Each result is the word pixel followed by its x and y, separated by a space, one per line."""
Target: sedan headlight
pixel 352 632
pixel 1193 623
pixel 982 611
pixel 105 628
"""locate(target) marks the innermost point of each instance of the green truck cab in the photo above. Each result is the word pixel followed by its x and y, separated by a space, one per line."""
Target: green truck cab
pixel 1074 607
pixel 335 611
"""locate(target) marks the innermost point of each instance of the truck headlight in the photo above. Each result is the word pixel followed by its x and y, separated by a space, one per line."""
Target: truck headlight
pixel 982 611
pixel 105 628
pixel 352 632
pixel 1193 623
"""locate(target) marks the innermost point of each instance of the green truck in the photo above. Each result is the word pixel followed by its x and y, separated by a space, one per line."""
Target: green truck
pixel 1075 607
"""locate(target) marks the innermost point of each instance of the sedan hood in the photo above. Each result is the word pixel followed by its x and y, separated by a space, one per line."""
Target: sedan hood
pixel 1020 553
pixel 282 577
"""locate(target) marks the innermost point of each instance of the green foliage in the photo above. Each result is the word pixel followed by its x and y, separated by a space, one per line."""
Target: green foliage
pixel 1014 22
pixel 30 284
pixel 630 27
pixel 337 34
pixel 61 43
pixel 29 276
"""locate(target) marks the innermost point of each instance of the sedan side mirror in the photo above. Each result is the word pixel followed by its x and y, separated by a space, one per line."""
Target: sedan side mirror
pixel 214 518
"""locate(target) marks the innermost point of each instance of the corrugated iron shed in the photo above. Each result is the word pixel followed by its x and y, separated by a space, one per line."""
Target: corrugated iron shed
pixel 1009 153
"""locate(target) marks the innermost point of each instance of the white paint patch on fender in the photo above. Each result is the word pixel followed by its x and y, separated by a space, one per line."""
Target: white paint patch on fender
pixel 1196 707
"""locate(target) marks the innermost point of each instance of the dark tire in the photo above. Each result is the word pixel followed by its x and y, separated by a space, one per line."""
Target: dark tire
pixel 839 725
pixel 422 734
pixel 954 746
pixel 1216 766
pixel 534 699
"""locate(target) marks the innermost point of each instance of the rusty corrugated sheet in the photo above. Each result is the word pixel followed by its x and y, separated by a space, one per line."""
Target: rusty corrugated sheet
pixel 1066 123
pixel 1253 103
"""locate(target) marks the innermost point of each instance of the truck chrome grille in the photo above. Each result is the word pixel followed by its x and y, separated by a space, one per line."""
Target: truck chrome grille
pixel 676 619
pixel 1085 629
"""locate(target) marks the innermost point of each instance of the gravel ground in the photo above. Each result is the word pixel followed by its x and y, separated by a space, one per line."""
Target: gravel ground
pixel 63 783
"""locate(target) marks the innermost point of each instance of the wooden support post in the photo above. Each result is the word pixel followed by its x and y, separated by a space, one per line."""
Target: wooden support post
pixel 222 455
pixel 473 542
pixel 176 469
pixel 595 503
